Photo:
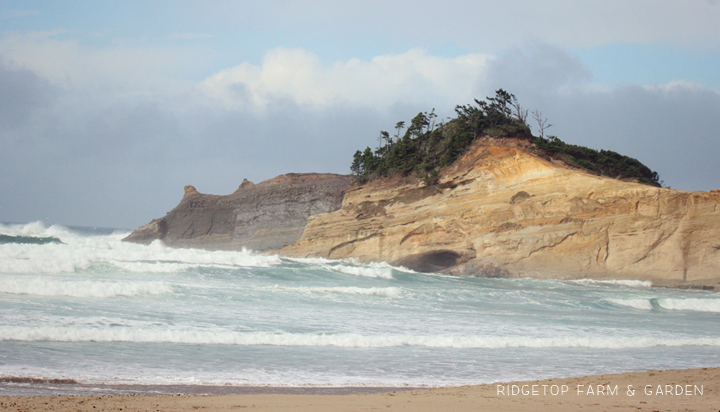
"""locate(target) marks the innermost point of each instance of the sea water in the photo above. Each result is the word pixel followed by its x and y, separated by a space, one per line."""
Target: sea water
pixel 91 310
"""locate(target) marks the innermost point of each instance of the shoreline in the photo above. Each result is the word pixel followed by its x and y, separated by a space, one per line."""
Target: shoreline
pixel 656 390
pixel 31 387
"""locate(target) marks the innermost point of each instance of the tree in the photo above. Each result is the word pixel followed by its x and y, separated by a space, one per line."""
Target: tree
pixel 399 126
pixel 358 166
pixel 417 125
pixel 521 113
pixel 431 117
pixel 542 122
pixel 384 136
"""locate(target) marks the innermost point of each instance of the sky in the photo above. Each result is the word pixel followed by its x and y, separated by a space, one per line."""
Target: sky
pixel 109 108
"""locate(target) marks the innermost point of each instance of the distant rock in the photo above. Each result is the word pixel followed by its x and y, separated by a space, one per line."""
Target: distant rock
pixel 4 239
pixel 269 215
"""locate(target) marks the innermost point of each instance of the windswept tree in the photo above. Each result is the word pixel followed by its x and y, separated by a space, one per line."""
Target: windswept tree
pixel 424 149
pixel 417 126
pixel 541 121
pixel 399 126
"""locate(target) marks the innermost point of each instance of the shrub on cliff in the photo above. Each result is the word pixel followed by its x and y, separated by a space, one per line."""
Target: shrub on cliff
pixel 426 147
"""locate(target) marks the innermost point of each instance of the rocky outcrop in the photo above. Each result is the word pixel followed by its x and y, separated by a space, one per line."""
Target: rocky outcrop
pixel 501 211
pixel 260 217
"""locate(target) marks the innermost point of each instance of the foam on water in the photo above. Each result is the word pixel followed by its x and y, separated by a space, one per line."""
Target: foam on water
pixel 80 288
pixel 371 272
pixel 79 253
pixel 351 290
pixel 690 304
pixel 621 282
pixel 346 340
pixel 353 267
pixel 695 304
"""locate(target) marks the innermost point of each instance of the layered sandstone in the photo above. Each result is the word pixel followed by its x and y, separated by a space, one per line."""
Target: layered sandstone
pixel 501 211
pixel 260 217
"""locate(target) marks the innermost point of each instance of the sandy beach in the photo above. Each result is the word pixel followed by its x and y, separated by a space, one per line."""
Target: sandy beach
pixel 669 390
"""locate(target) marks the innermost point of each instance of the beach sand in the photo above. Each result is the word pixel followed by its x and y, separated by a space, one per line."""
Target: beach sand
pixel 669 390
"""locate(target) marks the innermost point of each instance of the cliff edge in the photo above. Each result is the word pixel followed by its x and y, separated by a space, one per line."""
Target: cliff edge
pixel 501 211
pixel 260 217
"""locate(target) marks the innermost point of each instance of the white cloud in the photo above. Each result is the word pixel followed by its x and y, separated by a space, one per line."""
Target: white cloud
pixel 675 86
pixel 299 76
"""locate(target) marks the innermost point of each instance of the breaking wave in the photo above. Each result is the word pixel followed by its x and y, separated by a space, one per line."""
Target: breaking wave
pixel 81 252
pixel 384 272
pixel 347 340
pixel 694 304
pixel 351 290
pixel 81 288
pixel 621 282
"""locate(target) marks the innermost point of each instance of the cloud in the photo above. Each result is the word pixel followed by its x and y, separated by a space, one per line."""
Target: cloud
pixel 23 94
pixel 299 76
pixel 86 144
pixel 123 68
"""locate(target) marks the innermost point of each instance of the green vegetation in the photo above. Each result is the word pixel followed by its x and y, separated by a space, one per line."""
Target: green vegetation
pixel 425 147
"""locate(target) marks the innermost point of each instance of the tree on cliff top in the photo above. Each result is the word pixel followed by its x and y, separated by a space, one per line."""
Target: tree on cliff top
pixel 424 149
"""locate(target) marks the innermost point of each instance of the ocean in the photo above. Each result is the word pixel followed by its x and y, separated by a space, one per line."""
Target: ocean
pixel 83 312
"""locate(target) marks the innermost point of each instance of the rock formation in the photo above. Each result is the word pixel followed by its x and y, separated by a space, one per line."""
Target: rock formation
pixel 265 216
pixel 501 211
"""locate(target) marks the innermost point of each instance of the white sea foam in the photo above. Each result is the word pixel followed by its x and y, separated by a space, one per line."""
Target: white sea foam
pixel 37 229
pixel 352 266
pixel 367 271
pixel 351 290
pixel 79 253
pixel 348 340
pixel 621 282
pixel 696 304
pixel 80 288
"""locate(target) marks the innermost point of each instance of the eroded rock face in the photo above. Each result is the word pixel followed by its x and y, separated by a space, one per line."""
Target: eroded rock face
pixel 501 212
pixel 260 217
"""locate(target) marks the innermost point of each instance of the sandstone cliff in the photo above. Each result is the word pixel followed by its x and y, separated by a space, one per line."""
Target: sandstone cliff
pixel 501 211
pixel 265 216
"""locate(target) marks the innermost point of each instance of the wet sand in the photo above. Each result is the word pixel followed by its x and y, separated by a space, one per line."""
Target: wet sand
pixel 670 390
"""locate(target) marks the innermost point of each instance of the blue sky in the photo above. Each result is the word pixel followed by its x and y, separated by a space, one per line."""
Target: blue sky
pixel 110 107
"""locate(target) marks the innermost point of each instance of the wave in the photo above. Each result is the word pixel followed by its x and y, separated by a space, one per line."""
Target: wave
pixel 352 266
pixel 81 252
pixel 384 272
pixel 351 290
pixel 81 288
pixel 347 340
pixel 637 303
pixel 621 282
pixel 36 230
pixel 34 240
pixel 694 304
